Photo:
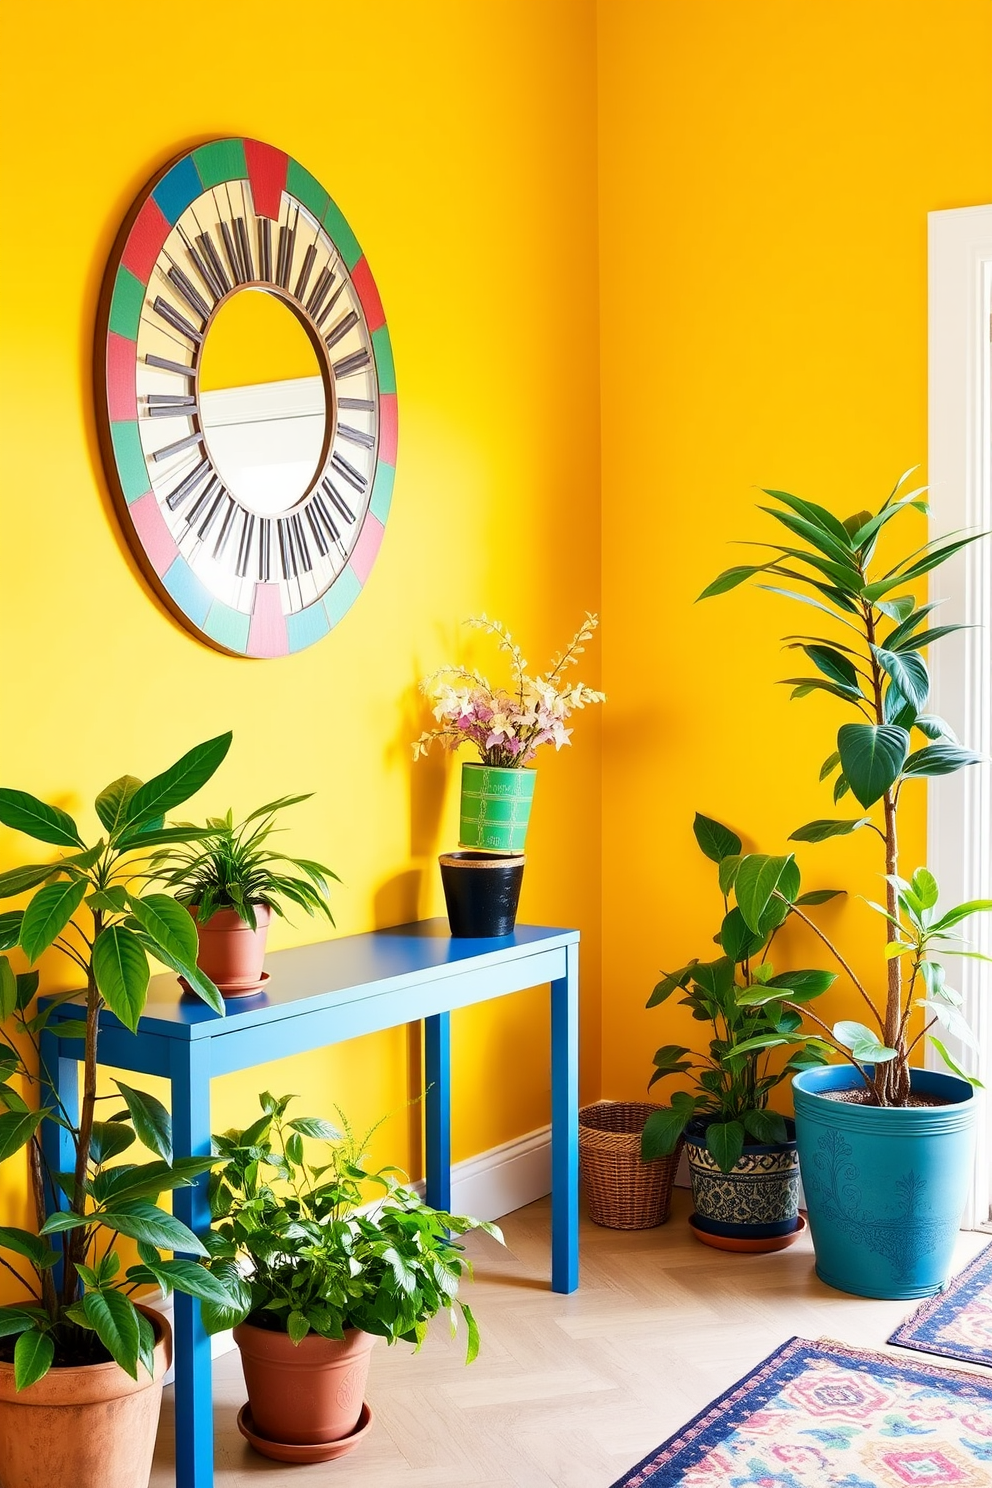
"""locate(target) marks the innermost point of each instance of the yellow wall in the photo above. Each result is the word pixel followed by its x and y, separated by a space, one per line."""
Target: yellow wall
pixel 765 173
pixel 465 162
pixel 756 222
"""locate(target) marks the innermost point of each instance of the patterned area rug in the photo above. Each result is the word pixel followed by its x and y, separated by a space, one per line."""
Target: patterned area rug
pixel 958 1321
pixel 822 1415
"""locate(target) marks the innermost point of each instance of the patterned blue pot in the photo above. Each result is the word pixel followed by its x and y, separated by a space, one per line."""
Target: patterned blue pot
pixel 757 1200
pixel 884 1188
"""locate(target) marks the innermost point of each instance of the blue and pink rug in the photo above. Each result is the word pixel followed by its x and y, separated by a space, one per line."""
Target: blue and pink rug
pixel 957 1322
pixel 822 1415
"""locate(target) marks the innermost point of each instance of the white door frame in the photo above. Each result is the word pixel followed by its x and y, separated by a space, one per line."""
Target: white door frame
pixel 960 468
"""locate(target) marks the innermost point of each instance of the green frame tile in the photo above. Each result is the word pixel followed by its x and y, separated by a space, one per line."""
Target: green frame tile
pixel 382 491
pixel 307 189
pixel 342 236
pixel 125 304
pixel 130 460
pixel 221 160
pixel 228 627
pixel 382 350
pixel 342 595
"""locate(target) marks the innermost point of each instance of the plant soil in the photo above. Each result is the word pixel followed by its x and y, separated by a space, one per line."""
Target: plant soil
pixel 863 1097
pixel 73 1352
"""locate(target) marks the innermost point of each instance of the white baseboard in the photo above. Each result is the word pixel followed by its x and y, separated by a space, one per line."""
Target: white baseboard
pixel 486 1186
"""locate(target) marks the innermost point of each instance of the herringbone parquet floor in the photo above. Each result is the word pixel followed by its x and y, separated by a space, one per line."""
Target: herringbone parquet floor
pixel 568 1392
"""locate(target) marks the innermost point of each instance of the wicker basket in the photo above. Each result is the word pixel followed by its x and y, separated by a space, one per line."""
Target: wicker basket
pixel 622 1191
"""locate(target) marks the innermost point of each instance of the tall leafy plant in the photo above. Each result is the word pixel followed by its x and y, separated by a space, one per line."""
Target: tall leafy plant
pixel 871 661
pixel 751 1009
pixel 86 906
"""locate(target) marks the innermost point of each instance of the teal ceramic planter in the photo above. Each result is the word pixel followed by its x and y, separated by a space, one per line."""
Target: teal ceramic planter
pixel 885 1188
pixel 495 807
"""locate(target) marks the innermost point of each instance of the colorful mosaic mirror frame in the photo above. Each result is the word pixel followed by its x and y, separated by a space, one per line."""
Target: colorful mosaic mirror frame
pixel 231 215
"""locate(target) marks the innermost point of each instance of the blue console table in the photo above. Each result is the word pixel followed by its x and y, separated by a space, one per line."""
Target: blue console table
pixel 318 995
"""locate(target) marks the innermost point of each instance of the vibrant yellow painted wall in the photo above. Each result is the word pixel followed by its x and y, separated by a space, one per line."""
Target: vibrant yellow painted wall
pixel 765 173
pixel 459 140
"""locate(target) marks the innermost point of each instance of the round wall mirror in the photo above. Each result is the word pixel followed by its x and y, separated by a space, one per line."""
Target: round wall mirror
pixel 262 401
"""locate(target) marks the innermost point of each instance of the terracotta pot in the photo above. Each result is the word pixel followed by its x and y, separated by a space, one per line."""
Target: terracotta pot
pixel 307 1392
pixel 231 952
pixel 93 1427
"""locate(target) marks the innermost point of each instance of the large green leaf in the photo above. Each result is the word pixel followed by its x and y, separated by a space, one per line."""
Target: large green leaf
pixel 148 1180
pixel 152 1121
pixel 940 759
pixel 197 980
pixel 962 912
pixel 926 637
pixel 148 837
pixel 14 1320
pixel 19 880
pixel 194 1279
pixel 174 786
pixel 114 1319
pixel 112 802
pixel 730 578
pixel 144 1221
pixel 757 879
pixel 803 986
pixel 952 1063
pixel 314 1126
pixel 33 1355
pixel 669 984
pixel 23 1242
pixel 216 1318
pixel 8 990
pixel 109 1139
pixel 725 1143
pixel 833 664
pixel 25 813
pixel 909 673
pixel 663 1129
pixel 765 1126
pixel 121 970
pixel 169 924
pixel 819 896
pixel 817 515
pixel 737 938
pixel 10 929
pixel 715 840
pixel 824 827
pixel 865 1045
pixel 877 591
pixel 16 1130
pixel 49 912
pixel 872 755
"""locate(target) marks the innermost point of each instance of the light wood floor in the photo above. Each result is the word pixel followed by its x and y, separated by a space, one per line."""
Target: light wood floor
pixel 568 1392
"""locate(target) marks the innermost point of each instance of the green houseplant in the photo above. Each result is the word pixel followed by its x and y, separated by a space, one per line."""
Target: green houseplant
pixel 742 1156
pixel 76 1336
pixel 884 1146
pixel 232 880
pixel 317 1276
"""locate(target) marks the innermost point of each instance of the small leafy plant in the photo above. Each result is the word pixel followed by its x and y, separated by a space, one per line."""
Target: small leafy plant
pixel 225 866
pixel 871 662
pixel 295 1246
pixel 89 909
pixel 734 1078
pixel 507 725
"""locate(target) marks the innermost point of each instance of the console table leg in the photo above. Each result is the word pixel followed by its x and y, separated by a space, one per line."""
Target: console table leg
pixel 565 1127
pixel 60 1079
pixel 194 1384
pixel 437 1066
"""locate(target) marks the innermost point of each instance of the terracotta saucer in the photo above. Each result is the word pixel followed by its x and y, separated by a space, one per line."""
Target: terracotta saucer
pixel 763 1246
pixel 313 1451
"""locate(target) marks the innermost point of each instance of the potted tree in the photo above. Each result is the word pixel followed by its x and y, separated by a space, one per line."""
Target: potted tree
pixel 742 1156
pixel 81 1364
pixel 884 1145
pixel 506 726
pixel 317 1277
pixel 233 882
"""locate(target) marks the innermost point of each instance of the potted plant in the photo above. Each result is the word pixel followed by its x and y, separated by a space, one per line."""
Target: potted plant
pixel 884 1145
pixel 506 727
pixel 742 1156
pixel 233 882
pixel 81 1364
pixel 318 1277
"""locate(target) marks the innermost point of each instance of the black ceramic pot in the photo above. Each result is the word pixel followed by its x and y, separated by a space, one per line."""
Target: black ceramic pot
pixel 481 892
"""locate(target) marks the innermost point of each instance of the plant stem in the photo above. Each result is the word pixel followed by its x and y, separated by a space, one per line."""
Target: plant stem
pixel 48 1297
pixel 840 961
pixel 76 1248
pixel 804 1012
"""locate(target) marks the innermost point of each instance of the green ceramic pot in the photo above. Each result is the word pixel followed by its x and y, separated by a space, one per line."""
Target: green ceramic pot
pixel 495 807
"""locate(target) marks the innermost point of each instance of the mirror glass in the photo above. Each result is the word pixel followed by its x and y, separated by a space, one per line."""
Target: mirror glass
pixel 262 402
